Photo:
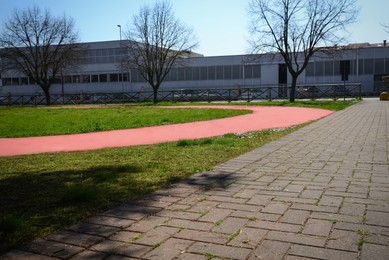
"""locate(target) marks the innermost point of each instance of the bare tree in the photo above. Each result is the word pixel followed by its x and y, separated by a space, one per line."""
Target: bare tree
pixel 386 27
pixel 157 42
pixel 39 45
pixel 297 29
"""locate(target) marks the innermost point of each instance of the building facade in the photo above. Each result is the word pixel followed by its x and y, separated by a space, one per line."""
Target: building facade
pixel 102 72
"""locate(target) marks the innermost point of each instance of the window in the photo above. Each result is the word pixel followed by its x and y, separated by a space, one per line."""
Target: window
pixel 15 81
pixel 204 73
pixel 32 81
pixel 379 66
pixel 23 81
pixel 310 70
pixel 76 79
pixel 368 66
pixel 103 77
pixel 227 72
pixel 256 71
pixel 94 78
pixel 188 74
pixel 113 77
pixel 219 72
pixel 211 72
pixel 252 71
pixel 319 69
pixel 86 78
pixel 173 74
pixel 236 72
pixel 181 74
pixel 196 73
pixel 67 79
pixel 328 68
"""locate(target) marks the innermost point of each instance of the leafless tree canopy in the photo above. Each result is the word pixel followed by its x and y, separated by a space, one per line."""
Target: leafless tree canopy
pixel 157 42
pixel 296 29
pixel 39 45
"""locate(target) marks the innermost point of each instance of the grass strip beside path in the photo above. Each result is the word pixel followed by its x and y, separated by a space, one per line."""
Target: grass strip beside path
pixel 41 121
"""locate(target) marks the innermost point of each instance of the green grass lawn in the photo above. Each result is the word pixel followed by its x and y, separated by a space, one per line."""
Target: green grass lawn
pixel 41 193
pixel 28 121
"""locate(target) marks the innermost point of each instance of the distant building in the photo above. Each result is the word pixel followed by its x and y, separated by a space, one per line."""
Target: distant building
pixel 102 72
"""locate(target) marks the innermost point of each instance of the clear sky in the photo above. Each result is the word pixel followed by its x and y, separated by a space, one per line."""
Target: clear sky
pixel 221 26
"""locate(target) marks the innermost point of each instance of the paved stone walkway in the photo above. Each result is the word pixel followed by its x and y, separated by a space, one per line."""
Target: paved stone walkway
pixel 319 193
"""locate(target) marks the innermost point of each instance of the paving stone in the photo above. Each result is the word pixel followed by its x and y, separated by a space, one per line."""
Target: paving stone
pixel 169 249
pixel 294 188
pixel 111 221
pixel 270 250
pixel 86 255
pixel 311 194
pixel 246 193
pixel 261 200
pixel 203 206
pixel 295 200
pixel 94 229
pixel 352 209
pixel 318 227
pixel 374 252
pixel 275 208
pixel 330 201
pixel 314 208
pixel 215 215
pixel 156 236
pixel 296 238
pixel 295 217
pixel 73 238
pixel 248 238
pixel 343 240
pixel 230 225
pixel 203 236
pixel 52 248
pixel 336 217
pixel 120 248
pixel 226 199
pixel 124 236
pixel 179 214
pixel 274 226
pixel 147 224
pixel 188 256
pixel 255 215
pixel 377 218
pixel 221 251
pixel 240 207
pixel 321 253
pixel 19 254
pixel 195 225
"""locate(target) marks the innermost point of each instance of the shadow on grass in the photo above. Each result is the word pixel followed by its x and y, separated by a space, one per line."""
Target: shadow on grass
pixel 34 204
pixel 65 197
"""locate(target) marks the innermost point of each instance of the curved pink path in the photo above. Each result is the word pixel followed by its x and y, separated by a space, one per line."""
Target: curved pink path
pixel 261 118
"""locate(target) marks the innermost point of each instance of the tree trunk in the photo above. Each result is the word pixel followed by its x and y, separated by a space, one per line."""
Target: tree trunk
pixel 46 90
pixel 292 93
pixel 155 90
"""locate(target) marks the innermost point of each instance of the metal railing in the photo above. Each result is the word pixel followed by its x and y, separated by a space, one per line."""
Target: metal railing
pixel 323 91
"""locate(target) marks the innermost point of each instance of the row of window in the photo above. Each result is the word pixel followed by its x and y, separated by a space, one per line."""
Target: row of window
pixel 101 56
pixel 226 72
pixel 176 74
pixel 114 77
pixel 362 66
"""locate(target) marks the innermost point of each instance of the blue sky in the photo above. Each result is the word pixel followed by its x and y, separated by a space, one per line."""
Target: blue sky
pixel 221 26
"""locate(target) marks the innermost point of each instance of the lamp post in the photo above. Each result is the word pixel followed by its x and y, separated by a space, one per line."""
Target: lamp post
pixel 120 31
